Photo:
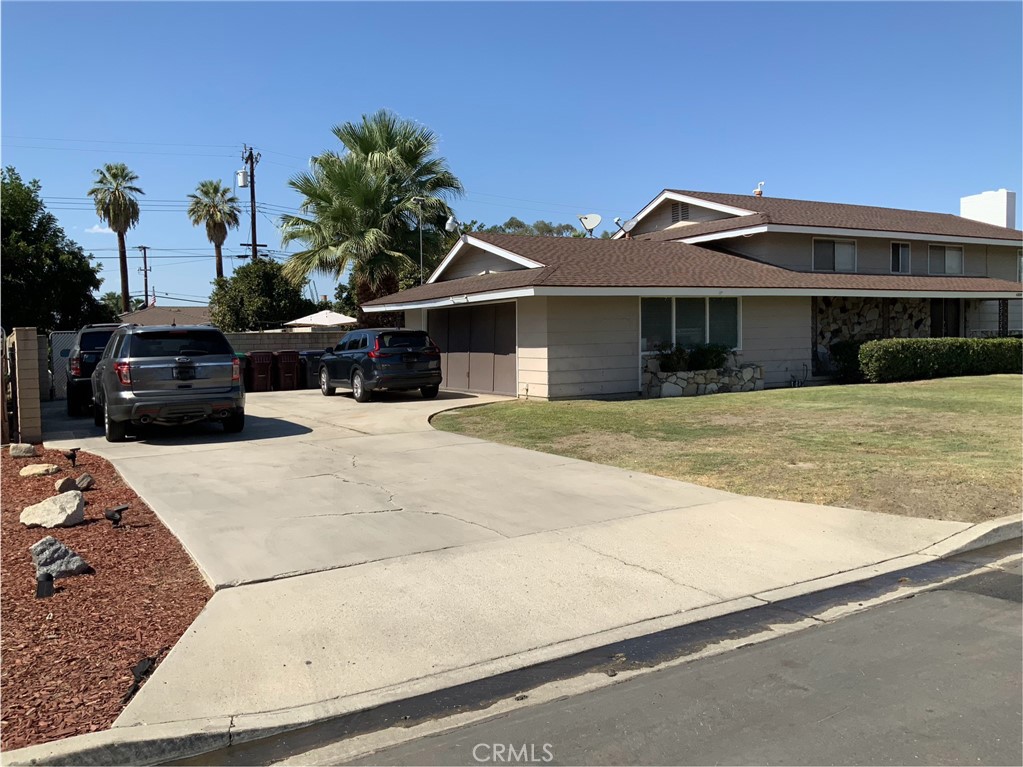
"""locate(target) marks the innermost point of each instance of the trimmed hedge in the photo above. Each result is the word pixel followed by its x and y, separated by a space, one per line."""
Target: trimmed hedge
pixel 911 359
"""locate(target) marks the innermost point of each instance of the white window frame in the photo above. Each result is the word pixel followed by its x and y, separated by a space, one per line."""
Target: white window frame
pixel 836 270
pixel 909 256
pixel 706 321
pixel 945 247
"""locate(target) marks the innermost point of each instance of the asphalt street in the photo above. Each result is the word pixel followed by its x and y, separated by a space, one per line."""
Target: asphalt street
pixel 932 679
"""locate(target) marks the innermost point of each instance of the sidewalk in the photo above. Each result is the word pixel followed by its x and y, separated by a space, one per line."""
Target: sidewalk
pixel 464 560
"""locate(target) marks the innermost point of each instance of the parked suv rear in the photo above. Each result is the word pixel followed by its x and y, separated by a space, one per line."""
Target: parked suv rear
pixel 381 358
pixel 165 374
pixel 85 353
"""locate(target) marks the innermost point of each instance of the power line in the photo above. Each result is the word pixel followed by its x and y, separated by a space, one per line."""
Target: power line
pixel 107 141
pixel 111 151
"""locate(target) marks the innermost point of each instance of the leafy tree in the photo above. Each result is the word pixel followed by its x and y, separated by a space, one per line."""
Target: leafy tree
pixel 258 296
pixel 114 193
pixel 537 229
pixel 47 279
pixel 363 207
pixel 215 206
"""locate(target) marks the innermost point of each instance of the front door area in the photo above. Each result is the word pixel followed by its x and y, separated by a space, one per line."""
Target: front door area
pixel 477 347
pixel 946 317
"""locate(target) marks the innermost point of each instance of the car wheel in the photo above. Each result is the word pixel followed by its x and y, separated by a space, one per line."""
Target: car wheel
pixel 97 413
pixel 325 388
pixel 113 430
pixel 429 392
pixel 359 390
pixel 235 422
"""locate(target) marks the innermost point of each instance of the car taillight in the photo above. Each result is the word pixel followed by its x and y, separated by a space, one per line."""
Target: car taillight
pixel 123 370
pixel 76 365
pixel 375 352
pixel 236 370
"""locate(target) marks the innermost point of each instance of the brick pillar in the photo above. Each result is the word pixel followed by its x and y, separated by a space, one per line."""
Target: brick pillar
pixel 26 374
pixel 1003 317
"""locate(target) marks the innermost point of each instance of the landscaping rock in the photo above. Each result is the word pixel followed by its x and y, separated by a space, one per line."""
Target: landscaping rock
pixel 52 557
pixel 85 482
pixel 64 510
pixel 39 470
pixel 670 390
pixel 23 450
pixel 65 484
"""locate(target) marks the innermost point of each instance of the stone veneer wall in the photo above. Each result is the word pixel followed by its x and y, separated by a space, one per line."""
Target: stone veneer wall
pixel 691 383
pixel 863 319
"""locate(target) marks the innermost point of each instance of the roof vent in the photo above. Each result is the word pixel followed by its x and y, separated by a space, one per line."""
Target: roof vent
pixel 759 191
pixel 679 212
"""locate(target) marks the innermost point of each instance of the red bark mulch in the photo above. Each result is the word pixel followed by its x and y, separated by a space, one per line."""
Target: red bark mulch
pixel 66 660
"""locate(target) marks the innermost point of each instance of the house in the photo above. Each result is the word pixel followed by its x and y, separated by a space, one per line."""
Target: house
pixel 778 280
pixel 169 315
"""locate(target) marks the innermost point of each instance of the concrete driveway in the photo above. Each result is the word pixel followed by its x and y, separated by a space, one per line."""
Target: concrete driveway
pixel 362 556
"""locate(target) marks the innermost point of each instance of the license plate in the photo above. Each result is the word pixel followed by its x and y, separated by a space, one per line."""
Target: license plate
pixel 184 374
pixel 410 358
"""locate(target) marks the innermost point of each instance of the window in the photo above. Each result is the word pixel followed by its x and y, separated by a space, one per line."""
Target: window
pixel 900 258
pixel 945 259
pixel 655 323
pixel 694 320
pixel 1019 265
pixel 172 343
pixel 834 255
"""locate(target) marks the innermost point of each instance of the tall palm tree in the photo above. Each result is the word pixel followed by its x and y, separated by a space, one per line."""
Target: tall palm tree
pixel 214 205
pixel 362 207
pixel 114 193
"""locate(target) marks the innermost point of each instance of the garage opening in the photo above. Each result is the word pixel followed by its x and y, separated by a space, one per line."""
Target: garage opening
pixel 477 347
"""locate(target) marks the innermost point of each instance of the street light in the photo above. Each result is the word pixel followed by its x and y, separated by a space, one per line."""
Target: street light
pixel 419 202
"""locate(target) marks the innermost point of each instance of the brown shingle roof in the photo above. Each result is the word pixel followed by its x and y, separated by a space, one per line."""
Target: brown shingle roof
pixel 778 210
pixel 578 262
pixel 166 315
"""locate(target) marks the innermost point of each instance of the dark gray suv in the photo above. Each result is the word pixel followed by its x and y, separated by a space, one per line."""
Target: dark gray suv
pixel 166 374
pixel 382 358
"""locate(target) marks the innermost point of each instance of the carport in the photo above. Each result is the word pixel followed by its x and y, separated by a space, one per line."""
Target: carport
pixel 477 346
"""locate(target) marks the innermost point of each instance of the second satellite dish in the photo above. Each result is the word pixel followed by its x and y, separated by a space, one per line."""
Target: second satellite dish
pixel 590 222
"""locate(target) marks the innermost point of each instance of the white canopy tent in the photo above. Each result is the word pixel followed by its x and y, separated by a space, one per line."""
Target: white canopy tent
pixel 324 319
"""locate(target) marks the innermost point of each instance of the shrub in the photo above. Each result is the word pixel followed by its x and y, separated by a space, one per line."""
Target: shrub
pixel 707 356
pixel 672 358
pixel 910 359
pixel 846 357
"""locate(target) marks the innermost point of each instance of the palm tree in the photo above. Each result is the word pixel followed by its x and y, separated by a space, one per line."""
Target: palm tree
pixel 362 207
pixel 215 206
pixel 114 193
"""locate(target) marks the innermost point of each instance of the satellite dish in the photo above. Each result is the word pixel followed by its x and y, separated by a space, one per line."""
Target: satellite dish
pixel 590 222
pixel 627 226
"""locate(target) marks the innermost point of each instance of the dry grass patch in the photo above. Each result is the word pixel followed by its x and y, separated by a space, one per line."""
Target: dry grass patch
pixel 944 449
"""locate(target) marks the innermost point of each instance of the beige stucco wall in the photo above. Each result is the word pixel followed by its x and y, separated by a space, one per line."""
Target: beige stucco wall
pixel 531 316
pixel 592 346
pixel 471 261
pixel 776 334
pixel 415 319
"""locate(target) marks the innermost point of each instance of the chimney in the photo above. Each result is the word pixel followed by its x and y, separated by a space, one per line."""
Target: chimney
pixel 323 297
pixel 998 208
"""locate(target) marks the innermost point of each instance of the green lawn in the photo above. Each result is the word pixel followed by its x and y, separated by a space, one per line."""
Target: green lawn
pixel 943 449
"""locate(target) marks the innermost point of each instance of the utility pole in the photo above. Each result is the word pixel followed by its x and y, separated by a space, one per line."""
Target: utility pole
pixel 145 273
pixel 251 157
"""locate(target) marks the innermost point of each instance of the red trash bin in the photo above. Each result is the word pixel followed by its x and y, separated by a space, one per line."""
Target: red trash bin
pixel 285 370
pixel 259 367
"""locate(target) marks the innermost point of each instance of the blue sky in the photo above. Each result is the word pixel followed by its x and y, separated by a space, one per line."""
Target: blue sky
pixel 544 110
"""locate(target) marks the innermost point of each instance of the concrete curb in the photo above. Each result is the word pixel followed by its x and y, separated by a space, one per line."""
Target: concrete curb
pixel 156 743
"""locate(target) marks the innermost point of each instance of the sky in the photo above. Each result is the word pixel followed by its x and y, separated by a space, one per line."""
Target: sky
pixel 543 110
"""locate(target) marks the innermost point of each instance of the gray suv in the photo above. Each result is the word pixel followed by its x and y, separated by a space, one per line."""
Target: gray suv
pixel 166 374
